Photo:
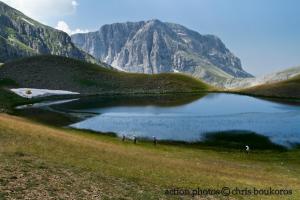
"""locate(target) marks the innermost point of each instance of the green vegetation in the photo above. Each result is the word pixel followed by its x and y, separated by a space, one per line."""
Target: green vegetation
pixel 283 89
pixel 54 72
pixel 8 99
pixel 39 162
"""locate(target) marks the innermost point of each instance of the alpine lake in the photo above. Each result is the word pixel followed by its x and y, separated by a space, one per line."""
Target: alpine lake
pixel 188 118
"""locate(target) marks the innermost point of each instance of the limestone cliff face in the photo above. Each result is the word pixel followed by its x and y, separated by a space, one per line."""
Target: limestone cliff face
pixel 22 36
pixel 154 47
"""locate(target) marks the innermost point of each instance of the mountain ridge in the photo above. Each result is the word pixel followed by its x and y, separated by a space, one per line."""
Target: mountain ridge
pixel 154 47
pixel 21 36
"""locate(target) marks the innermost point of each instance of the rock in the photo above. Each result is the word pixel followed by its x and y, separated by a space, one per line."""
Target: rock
pixel 155 47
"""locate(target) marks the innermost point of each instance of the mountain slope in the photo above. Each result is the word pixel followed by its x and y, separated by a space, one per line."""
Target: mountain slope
pixel 60 73
pixel 267 79
pixel 155 47
pixel 21 36
pixel 287 88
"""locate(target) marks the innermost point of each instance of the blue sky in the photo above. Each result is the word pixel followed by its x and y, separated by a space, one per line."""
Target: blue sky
pixel 264 34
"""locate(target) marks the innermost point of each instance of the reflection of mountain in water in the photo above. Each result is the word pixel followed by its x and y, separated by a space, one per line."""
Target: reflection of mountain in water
pixel 112 101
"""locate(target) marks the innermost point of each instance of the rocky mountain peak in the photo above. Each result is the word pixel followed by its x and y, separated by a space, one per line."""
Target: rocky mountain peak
pixel 154 46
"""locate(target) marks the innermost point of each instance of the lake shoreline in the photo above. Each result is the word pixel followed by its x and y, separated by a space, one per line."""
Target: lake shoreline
pixel 69 116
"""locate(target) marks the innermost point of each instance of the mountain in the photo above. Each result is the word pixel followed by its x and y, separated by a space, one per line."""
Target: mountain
pixel 154 47
pixel 61 73
pixel 21 36
pixel 287 89
pixel 267 79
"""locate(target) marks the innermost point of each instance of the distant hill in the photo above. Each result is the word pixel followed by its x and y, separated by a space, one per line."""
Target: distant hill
pixel 287 88
pixel 154 47
pixel 267 79
pixel 61 73
pixel 21 36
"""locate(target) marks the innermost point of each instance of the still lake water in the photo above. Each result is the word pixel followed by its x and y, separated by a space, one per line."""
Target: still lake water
pixel 166 118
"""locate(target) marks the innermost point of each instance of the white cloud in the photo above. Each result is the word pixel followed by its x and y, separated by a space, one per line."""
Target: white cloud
pixel 42 9
pixel 63 26
pixel 74 4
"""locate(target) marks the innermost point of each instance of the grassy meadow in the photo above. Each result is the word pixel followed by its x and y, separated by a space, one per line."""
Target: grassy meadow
pixel 42 162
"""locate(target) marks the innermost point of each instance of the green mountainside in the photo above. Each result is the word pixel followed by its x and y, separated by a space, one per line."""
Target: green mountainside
pixel 61 73
pixel 21 36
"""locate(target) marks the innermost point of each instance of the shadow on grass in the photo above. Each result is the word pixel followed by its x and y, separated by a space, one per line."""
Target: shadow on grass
pixel 233 140
pixel 239 139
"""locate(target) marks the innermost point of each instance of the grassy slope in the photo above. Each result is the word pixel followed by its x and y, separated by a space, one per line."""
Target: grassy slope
pixel 55 72
pixel 8 99
pixel 41 162
pixel 286 89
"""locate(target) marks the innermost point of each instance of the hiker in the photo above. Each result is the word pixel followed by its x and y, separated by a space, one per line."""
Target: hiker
pixel 247 149
pixel 134 139
pixel 123 138
pixel 154 140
